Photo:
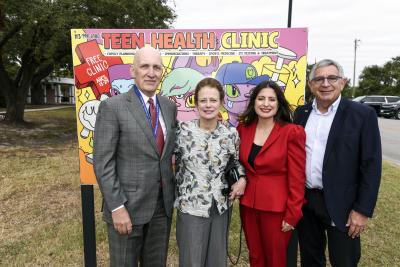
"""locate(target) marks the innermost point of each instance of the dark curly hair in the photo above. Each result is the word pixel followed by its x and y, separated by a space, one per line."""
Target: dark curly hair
pixel 284 113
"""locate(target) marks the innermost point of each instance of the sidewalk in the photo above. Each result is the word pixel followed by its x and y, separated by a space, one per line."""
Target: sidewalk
pixel 40 109
pixel 2 113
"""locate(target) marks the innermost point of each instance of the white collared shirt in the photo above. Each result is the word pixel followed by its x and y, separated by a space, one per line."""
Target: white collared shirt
pixel 317 131
pixel 161 118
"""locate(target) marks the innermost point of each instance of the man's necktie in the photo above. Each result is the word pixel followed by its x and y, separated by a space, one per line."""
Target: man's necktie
pixel 159 134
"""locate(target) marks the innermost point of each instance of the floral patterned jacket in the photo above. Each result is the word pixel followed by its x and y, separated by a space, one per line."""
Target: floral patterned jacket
pixel 201 157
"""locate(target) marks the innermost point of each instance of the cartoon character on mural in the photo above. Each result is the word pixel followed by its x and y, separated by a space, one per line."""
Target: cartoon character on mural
pixel 105 76
pixel 120 78
pixel 238 59
pixel 121 82
pixel 205 65
pixel 87 116
pixel 288 72
pixel 238 80
pixel 280 72
pixel 179 86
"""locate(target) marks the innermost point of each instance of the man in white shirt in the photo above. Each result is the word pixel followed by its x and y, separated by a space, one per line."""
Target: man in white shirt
pixel 343 170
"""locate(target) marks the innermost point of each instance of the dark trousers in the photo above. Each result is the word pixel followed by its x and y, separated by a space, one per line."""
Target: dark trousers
pixel 291 253
pixel 147 244
pixel 315 229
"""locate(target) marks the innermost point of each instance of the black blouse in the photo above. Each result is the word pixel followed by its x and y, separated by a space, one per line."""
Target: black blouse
pixel 255 149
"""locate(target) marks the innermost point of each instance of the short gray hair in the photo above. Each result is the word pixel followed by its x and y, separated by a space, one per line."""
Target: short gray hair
pixel 325 63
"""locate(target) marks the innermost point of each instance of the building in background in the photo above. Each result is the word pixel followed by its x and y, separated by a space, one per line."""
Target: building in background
pixel 53 90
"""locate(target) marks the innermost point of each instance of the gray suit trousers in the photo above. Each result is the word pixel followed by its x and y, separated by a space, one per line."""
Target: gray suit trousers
pixel 146 246
pixel 202 241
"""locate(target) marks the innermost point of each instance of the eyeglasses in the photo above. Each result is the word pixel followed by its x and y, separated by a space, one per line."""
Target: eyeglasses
pixel 332 79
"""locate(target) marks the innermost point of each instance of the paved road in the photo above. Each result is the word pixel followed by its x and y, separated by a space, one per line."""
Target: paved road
pixel 390 135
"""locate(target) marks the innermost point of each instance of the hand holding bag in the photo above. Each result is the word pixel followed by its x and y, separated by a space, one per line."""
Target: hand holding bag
pixel 231 175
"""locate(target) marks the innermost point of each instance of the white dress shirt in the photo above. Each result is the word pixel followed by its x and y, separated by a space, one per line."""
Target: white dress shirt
pixel 317 132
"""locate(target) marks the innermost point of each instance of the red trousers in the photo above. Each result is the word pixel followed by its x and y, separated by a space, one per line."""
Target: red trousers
pixel 266 242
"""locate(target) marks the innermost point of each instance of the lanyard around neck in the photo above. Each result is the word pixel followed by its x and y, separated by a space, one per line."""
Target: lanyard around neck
pixel 147 112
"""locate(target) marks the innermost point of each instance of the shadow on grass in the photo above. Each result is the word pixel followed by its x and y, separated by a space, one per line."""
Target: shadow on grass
pixel 41 128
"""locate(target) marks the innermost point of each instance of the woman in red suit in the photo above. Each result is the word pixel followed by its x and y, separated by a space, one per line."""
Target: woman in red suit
pixel 272 150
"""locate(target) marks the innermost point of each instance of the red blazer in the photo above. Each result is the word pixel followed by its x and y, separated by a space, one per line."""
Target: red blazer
pixel 277 181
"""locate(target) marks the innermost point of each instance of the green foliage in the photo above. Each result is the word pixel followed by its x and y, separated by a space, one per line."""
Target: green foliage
pixel 35 37
pixel 377 80
pixel 44 26
pixel 347 90
pixel 308 97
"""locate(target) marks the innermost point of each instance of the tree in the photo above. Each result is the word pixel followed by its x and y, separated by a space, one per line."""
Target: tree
pixel 308 96
pixel 385 80
pixel 35 37
pixel 371 80
pixel 392 77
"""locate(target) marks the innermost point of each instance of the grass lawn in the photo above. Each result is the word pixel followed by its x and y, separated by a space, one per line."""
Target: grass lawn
pixel 40 207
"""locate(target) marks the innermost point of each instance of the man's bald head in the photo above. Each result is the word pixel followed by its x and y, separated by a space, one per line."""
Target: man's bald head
pixel 147 69
pixel 146 51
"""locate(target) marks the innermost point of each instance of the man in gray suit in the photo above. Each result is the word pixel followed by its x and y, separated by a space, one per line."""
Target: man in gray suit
pixel 133 144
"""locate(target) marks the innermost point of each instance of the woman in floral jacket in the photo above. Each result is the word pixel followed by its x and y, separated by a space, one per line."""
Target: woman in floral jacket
pixel 203 148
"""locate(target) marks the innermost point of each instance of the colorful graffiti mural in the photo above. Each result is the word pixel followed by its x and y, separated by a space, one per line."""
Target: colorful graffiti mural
pixel 239 59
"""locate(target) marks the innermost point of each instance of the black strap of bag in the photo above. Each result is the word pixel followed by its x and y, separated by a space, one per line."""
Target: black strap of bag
pixel 236 261
pixel 231 176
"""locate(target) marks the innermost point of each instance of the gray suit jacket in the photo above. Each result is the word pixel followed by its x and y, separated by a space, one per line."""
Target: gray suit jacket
pixel 127 165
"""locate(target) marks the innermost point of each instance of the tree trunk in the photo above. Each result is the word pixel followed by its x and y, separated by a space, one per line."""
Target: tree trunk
pixel 17 92
pixel 16 105
pixel 37 95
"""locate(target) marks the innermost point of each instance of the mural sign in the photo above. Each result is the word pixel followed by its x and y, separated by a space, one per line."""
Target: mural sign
pixel 239 59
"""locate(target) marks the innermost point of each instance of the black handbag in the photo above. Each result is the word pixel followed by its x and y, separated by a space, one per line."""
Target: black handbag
pixel 231 175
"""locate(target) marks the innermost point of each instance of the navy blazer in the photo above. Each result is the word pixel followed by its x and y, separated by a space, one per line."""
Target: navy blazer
pixel 352 163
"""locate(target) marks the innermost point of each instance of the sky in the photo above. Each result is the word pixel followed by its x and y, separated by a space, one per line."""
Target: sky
pixel 332 25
